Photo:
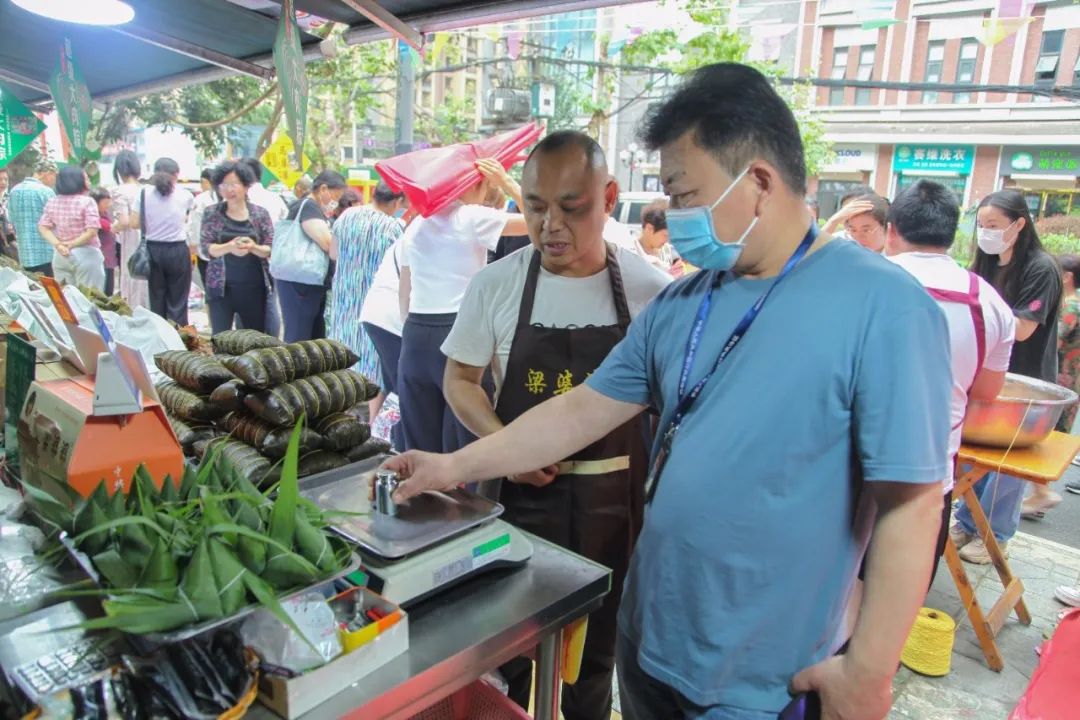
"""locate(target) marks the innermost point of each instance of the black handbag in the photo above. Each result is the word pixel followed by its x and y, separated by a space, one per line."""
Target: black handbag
pixel 139 262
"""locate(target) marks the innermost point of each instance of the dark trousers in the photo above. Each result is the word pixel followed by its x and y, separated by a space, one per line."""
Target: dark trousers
pixel 303 309
pixel 109 281
pixel 426 418
pixel 45 269
pixel 388 348
pixel 170 280
pixel 202 265
pixel 943 534
pixel 247 301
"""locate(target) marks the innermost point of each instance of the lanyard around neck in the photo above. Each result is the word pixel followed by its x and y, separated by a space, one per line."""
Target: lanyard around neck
pixel 693 342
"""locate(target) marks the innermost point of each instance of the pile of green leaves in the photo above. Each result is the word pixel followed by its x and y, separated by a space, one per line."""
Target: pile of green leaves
pixel 198 551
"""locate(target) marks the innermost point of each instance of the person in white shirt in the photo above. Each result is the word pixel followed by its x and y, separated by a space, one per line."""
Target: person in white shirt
pixel 922 226
pixel 441 254
pixel 380 316
pixel 207 198
pixel 259 195
pixel 544 318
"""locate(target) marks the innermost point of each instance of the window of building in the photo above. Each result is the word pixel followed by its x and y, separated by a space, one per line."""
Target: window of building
pixel 839 72
pixel 346 153
pixel 1049 57
pixel 865 72
pixel 935 58
pixel 448 85
pixel 470 88
pixel 965 68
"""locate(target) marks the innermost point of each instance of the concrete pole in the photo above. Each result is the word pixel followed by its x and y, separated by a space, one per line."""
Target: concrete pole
pixel 406 96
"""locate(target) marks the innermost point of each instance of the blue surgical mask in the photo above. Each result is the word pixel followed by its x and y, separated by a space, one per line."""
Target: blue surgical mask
pixel 693 236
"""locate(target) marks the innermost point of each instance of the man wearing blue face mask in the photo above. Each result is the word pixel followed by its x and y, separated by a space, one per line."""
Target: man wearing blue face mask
pixel 803 388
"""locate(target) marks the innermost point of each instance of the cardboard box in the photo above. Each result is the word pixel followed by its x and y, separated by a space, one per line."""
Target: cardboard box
pixel 61 441
pixel 292 697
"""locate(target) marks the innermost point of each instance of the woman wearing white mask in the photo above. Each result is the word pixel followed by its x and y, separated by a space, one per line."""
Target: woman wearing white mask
pixel 1012 259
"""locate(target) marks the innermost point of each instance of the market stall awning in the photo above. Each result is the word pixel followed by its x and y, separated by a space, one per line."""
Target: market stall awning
pixel 180 42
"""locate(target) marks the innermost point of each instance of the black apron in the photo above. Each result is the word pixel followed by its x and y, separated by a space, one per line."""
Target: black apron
pixel 596 508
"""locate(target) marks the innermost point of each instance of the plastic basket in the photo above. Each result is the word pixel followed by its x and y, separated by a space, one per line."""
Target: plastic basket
pixel 478 701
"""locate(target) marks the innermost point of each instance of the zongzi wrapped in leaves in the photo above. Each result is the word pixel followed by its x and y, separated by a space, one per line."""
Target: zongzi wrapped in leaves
pixel 320 461
pixel 273 366
pixel 193 371
pixel 369 449
pixel 188 435
pixel 183 404
pixel 238 342
pixel 269 440
pixel 283 405
pixel 341 431
pixel 229 397
pixel 246 460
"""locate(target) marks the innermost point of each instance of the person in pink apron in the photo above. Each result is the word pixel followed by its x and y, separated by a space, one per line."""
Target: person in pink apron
pixel 544 318
pixel 922 226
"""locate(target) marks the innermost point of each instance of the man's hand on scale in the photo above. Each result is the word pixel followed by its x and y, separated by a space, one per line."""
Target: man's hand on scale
pixel 420 471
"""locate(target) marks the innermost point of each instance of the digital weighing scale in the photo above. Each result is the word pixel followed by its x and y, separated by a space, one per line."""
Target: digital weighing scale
pixel 436 540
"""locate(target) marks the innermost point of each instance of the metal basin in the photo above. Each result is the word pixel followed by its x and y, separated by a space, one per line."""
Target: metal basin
pixel 1024 413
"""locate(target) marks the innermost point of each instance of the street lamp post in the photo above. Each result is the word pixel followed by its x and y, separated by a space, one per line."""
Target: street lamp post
pixel 631 157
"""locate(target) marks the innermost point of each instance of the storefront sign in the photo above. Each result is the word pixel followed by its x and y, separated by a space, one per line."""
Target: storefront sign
pixel 1018 159
pixel 18 126
pixel 852 159
pixel 914 159
pixel 72 100
pixel 292 78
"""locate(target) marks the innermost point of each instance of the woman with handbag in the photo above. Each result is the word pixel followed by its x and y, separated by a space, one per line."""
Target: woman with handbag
pixel 236 235
pixel 163 210
pixel 300 262
pixel 126 172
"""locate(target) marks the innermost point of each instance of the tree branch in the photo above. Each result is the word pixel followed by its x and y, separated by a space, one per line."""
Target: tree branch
pixel 268 131
pixel 225 121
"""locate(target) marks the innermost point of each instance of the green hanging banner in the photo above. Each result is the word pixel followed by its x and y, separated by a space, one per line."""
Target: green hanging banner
pixel 289 62
pixel 73 104
pixel 18 126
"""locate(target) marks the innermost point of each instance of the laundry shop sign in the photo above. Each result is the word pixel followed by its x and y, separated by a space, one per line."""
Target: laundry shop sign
pixel 913 159
pixel 1030 160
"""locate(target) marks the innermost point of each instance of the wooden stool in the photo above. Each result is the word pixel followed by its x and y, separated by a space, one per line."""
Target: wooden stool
pixel 1043 464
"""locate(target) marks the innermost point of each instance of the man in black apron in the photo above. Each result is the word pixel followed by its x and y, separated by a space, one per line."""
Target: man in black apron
pixel 545 317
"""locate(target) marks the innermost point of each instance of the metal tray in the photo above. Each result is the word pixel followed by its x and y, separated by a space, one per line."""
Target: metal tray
pixel 423 521
pixel 190 631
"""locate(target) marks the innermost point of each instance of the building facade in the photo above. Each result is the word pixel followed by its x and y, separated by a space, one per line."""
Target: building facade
pixel 974 141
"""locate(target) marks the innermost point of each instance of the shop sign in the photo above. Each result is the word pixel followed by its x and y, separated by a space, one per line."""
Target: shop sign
pixel 935 158
pixel 852 158
pixel 1040 160
pixel 18 126
pixel 292 77
pixel 72 99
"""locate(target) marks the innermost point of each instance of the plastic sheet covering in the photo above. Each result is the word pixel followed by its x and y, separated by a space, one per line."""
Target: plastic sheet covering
pixel 1051 694
pixel 435 177
pixel 25 579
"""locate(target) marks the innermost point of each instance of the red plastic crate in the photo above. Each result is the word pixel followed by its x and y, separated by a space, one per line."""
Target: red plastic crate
pixel 478 701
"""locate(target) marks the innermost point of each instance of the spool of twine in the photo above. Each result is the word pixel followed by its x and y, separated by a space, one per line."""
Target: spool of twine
pixel 928 650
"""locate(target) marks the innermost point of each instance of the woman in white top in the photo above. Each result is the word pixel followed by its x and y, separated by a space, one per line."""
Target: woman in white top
pixel 165 208
pixel 440 256
pixel 126 172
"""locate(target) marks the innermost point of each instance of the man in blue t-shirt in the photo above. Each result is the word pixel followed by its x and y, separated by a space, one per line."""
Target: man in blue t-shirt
pixel 803 389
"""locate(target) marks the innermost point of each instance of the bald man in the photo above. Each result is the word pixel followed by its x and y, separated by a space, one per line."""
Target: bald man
pixel 544 318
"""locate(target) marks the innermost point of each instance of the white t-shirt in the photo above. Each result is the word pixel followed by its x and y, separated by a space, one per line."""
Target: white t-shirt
pixel 617 233
pixel 443 253
pixel 202 201
pixel 166 215
pixel 269 201
pixel 487 321
pixel 937 270
pixel 381 306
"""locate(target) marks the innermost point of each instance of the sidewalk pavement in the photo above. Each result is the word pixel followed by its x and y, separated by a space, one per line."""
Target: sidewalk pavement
pixel 972 691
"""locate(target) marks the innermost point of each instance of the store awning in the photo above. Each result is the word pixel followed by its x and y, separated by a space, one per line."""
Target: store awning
pixel 180 42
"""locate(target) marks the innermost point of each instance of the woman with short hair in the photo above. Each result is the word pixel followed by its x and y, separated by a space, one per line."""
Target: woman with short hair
pixel 236 235
pixel 70 223
pixel 126 173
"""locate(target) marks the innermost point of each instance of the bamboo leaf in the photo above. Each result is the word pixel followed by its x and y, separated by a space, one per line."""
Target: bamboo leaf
pixel 199 585
pixel 109 525
pixel 229 575
pixel 265 595
pixel 281 549
pixel 283 514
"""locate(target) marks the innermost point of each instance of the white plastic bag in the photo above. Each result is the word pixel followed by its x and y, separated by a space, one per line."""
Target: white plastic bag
pixel 277 644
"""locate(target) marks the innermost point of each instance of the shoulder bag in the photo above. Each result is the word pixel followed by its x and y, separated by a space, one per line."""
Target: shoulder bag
pixel 294 257
pixel 139 262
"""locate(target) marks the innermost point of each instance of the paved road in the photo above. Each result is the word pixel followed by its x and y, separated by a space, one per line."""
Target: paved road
pixel 1062 524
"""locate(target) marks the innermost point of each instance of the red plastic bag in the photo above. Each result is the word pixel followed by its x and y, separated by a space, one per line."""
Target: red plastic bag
pixel 435 177
pixel 1052 693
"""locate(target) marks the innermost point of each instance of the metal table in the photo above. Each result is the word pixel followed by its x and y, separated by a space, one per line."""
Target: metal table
pixel 474 627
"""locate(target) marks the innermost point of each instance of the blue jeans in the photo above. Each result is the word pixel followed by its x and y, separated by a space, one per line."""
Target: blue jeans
pixel 641 697
pixel 1000 496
